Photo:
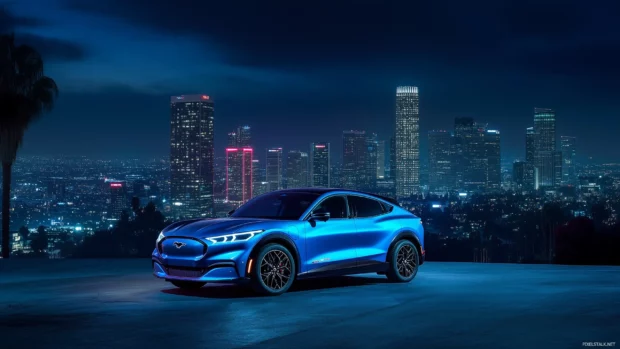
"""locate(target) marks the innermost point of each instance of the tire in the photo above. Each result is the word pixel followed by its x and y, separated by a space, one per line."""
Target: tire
pixel 403 260
pixel 274 270
pixel 187 285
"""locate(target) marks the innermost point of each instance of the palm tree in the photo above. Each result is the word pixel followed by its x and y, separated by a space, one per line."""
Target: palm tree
pixel 25 94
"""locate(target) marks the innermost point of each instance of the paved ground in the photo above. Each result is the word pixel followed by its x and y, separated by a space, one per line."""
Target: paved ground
pixel 82 304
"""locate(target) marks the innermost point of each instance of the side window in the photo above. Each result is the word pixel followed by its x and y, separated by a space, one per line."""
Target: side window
pixel 336 206
pixel 363 207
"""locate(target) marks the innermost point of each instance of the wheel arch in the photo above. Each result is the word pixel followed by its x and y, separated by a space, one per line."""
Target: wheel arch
pixel 410 236
pixel 282 239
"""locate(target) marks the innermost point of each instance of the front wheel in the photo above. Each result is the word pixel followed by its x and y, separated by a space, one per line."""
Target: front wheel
pixel 274 270
pixel 403 260
pixel 187 285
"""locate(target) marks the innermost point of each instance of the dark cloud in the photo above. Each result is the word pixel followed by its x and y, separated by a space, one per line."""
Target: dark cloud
pixel 50 48
pixel 8 22
pixel 294 34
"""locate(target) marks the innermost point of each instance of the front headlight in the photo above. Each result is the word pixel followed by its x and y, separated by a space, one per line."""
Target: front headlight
pixel 160 237
pixel 236 237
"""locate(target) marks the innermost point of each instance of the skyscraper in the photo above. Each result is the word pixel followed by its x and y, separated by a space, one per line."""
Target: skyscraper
pixel 392 158
pixel 569 175
pixel 118 199
pixel 371 162
pixel 494 161
pixel 530 145
pixel 354 148
pixel 381 163
pixel 407 141
pixel 441 172
pixel 464 129
pixel 545 157
pixel 191 155
pixel 239 174
pixel 296 169
pixel 273 169
pixel 259 185
pixel 320 165
pixel 240 138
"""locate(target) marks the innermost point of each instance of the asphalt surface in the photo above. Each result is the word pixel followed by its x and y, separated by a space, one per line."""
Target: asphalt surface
pixel 118 304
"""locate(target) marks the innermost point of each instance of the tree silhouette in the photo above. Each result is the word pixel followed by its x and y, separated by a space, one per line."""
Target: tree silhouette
pixel 24 233
pixel 25 93
pixel 40 242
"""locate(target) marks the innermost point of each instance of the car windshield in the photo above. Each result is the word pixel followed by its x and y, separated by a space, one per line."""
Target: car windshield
pixel 276 205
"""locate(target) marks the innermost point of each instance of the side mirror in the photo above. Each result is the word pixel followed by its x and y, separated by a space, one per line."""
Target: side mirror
pixel 231 212
pixel 320 216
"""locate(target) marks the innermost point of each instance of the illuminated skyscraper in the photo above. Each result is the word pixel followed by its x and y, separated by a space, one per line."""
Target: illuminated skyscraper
pixel 273 169
pixel 239 174
pixel 530 145
pixel 464 130
pixel 407 142
pixel 569 175
pixel 545 158
pixel 258 177
pixel 297 169
pixel 191 155
pixel 118 199
pixel 240 138
pixel 354 149
pixel 493 156
pixel 371 162
pixel 392 159
pixel 320 165
pixel 441 172
pixel 381 163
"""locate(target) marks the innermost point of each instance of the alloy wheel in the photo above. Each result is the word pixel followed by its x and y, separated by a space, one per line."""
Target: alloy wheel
pixel 275 269
pixel 405 261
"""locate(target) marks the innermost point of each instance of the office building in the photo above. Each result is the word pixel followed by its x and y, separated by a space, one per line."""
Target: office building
pixel 239 174
pixel 297 169
pixel 273 169
pixel 118 199
pixel 240 138
pixel 354 149
pixel 493 156
pixel 320 165
pixel 545 146
pixel 464 129
pixel 381 160
pixel 440 161
pixel 259 184
pixel 191 155
pixel 407 141
pixel 569 174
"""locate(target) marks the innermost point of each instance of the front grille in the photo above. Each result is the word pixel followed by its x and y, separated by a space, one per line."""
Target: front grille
pixel 185 272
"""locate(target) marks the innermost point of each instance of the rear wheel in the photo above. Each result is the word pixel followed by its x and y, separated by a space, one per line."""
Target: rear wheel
pixel 187 285
pixel 403 260
pixel 274 270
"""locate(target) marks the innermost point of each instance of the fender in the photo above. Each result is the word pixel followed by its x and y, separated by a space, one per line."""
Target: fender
pixel 271 237
pixel 408 234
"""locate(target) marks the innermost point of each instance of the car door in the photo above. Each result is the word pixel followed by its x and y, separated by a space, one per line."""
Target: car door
pixel 373 226
pixel 330 244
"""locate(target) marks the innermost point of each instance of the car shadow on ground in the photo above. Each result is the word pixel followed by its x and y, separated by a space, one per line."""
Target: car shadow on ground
pixel 244 291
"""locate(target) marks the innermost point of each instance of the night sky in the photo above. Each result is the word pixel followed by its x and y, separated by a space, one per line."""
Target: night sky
pixel 303 71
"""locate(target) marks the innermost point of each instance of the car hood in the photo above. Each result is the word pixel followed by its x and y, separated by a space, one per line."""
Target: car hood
pixel 213 227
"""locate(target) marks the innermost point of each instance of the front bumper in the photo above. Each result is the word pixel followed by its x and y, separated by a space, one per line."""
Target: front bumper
pixel 201 262
pixel 219 272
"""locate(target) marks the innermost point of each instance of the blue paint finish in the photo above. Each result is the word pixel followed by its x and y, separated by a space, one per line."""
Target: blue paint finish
pixel 218 250
pixel 331 242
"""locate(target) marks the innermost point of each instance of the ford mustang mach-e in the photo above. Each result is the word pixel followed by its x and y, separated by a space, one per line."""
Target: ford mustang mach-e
pixel 285 235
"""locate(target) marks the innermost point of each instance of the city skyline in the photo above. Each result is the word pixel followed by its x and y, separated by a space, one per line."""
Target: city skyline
pixel 270 87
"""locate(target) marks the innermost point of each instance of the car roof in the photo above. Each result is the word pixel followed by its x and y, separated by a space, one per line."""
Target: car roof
pixel 321 191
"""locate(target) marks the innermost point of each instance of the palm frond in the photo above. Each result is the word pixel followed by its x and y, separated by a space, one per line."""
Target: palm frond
pixel 28 62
